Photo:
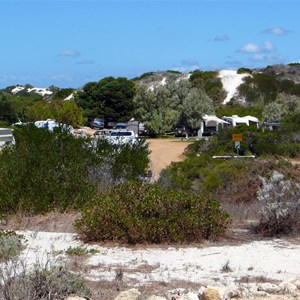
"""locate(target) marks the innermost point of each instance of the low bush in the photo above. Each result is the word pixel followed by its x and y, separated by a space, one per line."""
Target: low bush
pixel 280 212
pixel 56 170
pixel 40 283
pixel 80 251
pixel 136 212
pixel 11 244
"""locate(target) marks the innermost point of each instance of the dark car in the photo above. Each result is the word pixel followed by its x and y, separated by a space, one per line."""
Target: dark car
pixel 184 131
pixel 97 123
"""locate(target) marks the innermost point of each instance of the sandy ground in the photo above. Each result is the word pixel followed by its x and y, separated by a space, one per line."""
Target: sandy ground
pixel 157 269
pixel 163 152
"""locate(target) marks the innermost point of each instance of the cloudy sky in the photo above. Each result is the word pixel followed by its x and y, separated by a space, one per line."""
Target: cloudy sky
pixel 68 43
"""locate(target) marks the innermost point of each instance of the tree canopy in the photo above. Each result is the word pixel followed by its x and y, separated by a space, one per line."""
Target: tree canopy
pixel 109 98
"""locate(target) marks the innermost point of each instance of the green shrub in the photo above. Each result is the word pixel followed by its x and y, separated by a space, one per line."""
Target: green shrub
pixel 80 251
pixel 44 171
pixel 137 212
pixel 244 70
pixel 47 282
pixel 280 212
pixel 47 171
pixel 10 244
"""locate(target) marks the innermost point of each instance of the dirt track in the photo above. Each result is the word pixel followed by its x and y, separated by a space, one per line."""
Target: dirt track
pixel 163 152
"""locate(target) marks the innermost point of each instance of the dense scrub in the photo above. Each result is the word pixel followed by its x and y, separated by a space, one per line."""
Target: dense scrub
pixel 280 210
pixel 47 171
pixel 137 212
pixel 245 186
pixel 39 283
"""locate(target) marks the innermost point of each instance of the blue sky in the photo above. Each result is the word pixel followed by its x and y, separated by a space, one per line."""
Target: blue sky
pixel 69 43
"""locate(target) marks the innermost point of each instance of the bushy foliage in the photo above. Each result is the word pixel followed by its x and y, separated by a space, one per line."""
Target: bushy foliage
pixel 194 106
pixel 62 94
pixel 109 98
pixel 280 212
pixel 46 171
pixel 229 180
pixel 43 282
pixel 136 212
pixel 283 142
pixel 244 70
pixel 259 88
pixel 165 107
pixel 273 111
pixel 8 110
pixel 66 112
pixel 158 109
pixel 210 83
pixel 10 244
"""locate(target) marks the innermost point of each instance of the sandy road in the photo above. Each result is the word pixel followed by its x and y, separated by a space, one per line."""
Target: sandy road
pixel 163 152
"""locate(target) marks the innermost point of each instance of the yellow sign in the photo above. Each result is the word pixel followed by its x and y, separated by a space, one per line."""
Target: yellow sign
pixel 237 137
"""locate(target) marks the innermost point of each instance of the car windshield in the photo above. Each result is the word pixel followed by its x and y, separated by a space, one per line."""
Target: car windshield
pixel 98 120
pixel 121 133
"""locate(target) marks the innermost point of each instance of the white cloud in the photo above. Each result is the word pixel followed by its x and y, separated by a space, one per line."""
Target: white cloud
pixel 69 53
pixel 250 48
pixel 277 31
pixel 268 46
pixel 255 48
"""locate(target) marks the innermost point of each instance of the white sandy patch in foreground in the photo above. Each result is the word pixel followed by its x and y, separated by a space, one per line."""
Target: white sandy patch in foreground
pixel 272 259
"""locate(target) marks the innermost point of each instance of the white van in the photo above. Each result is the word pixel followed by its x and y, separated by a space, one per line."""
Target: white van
pixel 6 137
pixel 121 137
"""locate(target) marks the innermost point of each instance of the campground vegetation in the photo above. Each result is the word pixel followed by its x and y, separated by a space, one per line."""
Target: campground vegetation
pixel 194 199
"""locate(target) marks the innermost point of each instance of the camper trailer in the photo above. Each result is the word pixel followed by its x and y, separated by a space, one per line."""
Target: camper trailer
pixel 6 137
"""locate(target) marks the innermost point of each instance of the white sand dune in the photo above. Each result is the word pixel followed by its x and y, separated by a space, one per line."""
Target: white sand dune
pixel 231 81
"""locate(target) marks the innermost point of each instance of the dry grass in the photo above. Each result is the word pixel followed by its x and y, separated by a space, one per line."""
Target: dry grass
pixel 51 222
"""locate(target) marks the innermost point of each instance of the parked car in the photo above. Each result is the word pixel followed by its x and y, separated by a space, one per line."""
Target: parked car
pixel 121 137
pixel 183 131
pixel 121 126
pixel 97 123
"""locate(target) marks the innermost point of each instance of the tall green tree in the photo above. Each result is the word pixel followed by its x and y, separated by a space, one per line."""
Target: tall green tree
pixel 273 111
pixel 109 98
pixel 194 106
pixel 8 111
pixel 157 108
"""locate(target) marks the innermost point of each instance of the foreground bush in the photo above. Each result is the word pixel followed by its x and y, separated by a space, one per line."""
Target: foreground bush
pixel 10 244
pixel 137 212
pixel 47 171
pixel 41 283
pixel 280 212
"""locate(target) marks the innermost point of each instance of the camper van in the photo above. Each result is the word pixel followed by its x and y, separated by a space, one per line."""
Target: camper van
pixel 6 137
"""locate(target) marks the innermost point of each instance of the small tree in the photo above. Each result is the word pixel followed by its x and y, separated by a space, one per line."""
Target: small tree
pixel 273 111
pixel 194 106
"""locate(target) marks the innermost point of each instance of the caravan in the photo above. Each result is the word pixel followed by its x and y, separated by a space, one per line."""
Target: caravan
pixel 6 137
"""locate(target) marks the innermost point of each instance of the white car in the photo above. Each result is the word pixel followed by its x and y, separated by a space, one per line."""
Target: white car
pixel 121 137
